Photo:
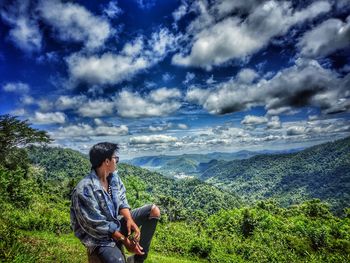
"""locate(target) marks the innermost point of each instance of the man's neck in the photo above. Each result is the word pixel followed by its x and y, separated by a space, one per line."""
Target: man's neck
pixel 102 174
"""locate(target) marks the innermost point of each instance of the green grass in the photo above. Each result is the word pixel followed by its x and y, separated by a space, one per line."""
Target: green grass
pixel 66 248
pixel 157 258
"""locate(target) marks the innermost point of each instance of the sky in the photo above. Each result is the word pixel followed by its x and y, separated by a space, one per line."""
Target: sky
pixel 173 77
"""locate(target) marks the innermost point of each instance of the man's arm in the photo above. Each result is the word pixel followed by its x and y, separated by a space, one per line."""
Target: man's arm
pixel 130 224
pixel 131 245
pixel 88 215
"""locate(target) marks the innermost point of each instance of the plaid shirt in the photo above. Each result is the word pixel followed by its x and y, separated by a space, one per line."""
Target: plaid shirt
pixel 94 213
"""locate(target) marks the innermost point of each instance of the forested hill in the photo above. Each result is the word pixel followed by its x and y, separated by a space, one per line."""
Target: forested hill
pixel 63 168
pixel 192 165
pixel 322 171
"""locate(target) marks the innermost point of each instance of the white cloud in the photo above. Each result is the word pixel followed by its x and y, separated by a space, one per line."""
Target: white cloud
pixel 25 32
pixel 70 102
pixel 254 120
pixel 189 77
pixel 166 77
pixel 234 38
pixel 198 95
pixel 110 68
pixel 180 12
pixel 18 87
pixel 97 108
pixel 247 75
pixel 304 84
pixel 324 39
pixel 158 103
pixel 75 23
pixel 210 80
pixel 83 130
pixel 107 69
pixel 45 104
pixel 112 10
pixel 280 110
pixel 49 118
pixel 158 128
pixel 182 126
pixel 274 123
pixel 152 139
pixel 27 100
pixel 164 94
pixel 224 7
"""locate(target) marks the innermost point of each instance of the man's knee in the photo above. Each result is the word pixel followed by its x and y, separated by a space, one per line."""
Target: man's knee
pixel 155 212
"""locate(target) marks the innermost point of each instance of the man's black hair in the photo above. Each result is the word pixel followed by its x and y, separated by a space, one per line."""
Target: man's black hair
pixel 100 152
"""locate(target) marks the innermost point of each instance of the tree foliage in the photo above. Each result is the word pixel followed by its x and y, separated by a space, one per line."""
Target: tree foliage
pixel 14 136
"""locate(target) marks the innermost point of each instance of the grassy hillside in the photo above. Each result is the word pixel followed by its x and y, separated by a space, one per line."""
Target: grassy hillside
pixel 34 223
pixel 322 171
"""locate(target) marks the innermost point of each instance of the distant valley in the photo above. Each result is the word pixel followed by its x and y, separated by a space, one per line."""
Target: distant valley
pixel 321 171
pixel 193 165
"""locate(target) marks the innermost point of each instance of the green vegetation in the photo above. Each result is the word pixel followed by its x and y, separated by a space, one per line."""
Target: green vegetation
pixel 200 222
pixel 322 172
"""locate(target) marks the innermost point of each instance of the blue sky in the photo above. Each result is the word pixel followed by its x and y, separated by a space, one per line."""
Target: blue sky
pixel 172 77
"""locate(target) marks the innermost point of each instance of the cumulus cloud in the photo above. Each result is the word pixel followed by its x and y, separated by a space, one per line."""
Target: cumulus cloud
pixel 152 139
pixel 111 68
pixel 254 120
pixel 159 128
pixel 70 102
pixel 49 118
pixel 106 69
pixel 96 108
pixel 18 87
pixel 159 102
pixel 237 38
pixel 304 84
pixel 247 75
pixel 315 128
pixel 287 110
pixel 83 130
pixel 164 94
pixel 75 23
pixel 324 39
pixel 24 32
pixel 274 123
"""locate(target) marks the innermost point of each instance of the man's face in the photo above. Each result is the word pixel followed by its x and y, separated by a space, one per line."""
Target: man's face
pixel 115 161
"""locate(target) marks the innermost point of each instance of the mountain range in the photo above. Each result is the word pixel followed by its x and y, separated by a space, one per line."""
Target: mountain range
pixel 192 165
pixel 321 171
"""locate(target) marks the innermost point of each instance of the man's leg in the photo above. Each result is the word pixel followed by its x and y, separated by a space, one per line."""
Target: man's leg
pixel 108 254
pixel 147 218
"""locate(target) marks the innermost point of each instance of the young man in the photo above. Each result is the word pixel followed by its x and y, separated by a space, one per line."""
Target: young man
pixel 101 216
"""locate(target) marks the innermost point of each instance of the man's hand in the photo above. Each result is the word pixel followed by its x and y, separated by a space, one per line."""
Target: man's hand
pixel 133 228
pixel 130 224
pixel 133 246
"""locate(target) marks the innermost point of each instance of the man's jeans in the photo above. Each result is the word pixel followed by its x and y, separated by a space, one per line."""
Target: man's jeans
pixel 148 225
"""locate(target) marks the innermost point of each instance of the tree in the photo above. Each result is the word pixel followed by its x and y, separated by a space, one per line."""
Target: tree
pixel 14 136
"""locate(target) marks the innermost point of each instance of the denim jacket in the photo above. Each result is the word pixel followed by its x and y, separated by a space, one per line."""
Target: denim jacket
pixel 93 213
